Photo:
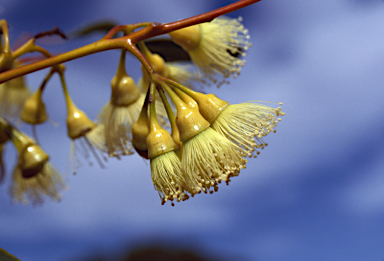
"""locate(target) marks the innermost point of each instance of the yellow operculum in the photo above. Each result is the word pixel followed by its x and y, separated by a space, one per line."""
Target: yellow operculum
pixel 78 122
pixel 32 160
pixel 34 109
pixel 159 141
pixel 189 121
pixel 188 38
pixel 124 90
pixel 210 105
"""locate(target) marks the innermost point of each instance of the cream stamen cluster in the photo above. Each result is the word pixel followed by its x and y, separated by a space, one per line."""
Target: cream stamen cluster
pixel 246 124
pixel 216 47
pixel 167 177
pixel 209 158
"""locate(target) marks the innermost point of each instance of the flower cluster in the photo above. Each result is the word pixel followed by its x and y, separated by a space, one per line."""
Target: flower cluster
pixel 194 141
pixel 214 140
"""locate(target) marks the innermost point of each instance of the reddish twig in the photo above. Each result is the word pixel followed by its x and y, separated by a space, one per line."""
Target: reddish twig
pixel 54 31
pixel 128 42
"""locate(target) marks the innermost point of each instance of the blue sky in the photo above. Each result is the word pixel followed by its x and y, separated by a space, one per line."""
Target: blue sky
pixel 315 193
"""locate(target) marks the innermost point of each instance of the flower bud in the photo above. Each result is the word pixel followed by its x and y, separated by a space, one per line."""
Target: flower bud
pixel 210 106
pixel 78 122
pixel 124 91
pixel 34 109
pixel 189 122
pixel 188 38
pixel 32 160
pixel 159 141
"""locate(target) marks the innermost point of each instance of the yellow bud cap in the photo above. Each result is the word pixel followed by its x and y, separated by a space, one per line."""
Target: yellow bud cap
pixel 188 38
pixel 140 131
pixel 159 141
pixel 78 122
pixel 189 122
pixel 124 91
pixel 34 109
pixel 210 106
pixel 32 160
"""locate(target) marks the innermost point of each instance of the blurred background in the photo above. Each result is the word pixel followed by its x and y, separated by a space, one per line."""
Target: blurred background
pixel 315 193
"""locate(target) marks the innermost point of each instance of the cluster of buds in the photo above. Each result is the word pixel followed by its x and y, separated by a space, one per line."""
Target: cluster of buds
pixel 194 141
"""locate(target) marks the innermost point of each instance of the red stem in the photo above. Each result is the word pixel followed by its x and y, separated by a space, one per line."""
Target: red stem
pixel 156 29
pixel 127 41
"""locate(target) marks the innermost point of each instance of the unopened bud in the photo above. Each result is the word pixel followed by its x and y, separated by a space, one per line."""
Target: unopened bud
pixel 32 160
pixel 34 109
pixel 124 91
pixel 78 122
pixel 188 38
